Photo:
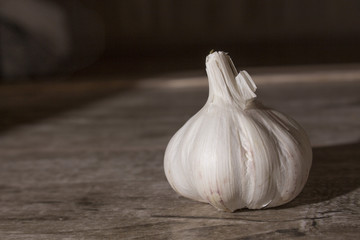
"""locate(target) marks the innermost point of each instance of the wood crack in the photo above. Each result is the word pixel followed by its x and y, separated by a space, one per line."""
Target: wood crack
pixel 237 219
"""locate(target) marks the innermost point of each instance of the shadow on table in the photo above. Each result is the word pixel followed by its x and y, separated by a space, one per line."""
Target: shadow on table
pixel 335 172
pixel 29 102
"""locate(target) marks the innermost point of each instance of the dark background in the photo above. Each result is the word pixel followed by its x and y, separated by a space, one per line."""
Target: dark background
pixel 118 36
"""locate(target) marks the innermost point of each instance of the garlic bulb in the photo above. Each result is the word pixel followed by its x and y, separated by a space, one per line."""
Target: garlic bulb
pixel 235 153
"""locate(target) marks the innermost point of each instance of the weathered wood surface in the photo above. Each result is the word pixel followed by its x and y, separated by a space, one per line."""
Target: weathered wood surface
pixel 84 160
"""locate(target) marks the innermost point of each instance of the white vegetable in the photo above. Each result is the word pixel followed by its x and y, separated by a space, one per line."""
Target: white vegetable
pixel 235 153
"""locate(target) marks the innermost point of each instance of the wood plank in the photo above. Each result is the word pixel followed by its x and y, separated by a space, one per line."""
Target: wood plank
pixel 94 170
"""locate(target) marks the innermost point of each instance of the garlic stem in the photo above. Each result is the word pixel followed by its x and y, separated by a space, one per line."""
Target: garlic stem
pixel 226 84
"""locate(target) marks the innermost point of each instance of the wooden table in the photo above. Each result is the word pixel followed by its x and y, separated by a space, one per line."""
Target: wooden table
pixel 83 159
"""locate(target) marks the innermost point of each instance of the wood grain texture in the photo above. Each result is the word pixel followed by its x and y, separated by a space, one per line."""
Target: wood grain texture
pixel 94 169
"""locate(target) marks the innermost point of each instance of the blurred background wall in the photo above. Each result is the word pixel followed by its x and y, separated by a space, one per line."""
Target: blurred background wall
pixel 55 36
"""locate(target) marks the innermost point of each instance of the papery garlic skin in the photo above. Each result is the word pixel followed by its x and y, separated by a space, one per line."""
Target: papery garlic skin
pixel 235 153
